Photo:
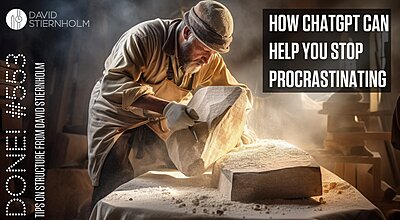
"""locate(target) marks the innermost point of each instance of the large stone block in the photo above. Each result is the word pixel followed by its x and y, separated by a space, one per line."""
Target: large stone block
pixel 221 111
pixel 268 169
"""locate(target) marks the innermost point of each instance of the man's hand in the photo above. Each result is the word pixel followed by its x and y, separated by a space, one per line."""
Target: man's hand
pixel 178 117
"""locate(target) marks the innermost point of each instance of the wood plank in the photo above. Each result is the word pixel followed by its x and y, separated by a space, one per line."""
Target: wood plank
pixel 321 155
pixel 339 169
pixel 269 169
pixel 361 114
pixel 344 108
pixel 350 174
pixel 369 135
pixel 344 124
pixel 365 181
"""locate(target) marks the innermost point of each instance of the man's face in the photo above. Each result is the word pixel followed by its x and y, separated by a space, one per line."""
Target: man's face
pixel 193 54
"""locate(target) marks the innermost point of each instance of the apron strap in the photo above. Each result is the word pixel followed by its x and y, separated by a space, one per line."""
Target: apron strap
pixel 170 74
pixel 190 86
pixel 170 70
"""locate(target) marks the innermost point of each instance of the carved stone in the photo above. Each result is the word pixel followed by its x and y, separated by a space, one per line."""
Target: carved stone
pixel 221 111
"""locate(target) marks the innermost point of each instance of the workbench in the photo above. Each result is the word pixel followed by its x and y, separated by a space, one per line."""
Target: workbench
pixel 168 194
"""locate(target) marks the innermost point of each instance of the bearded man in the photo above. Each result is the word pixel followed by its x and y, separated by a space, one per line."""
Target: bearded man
pixel 148 78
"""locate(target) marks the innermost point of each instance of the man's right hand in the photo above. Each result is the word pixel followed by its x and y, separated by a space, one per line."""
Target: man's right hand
pixel 178 117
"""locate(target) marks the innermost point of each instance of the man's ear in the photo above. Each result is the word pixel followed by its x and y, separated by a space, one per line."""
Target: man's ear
pixel 186 33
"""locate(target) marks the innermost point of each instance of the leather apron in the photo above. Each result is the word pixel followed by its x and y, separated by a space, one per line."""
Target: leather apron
pixel 167 90
pixel 152 154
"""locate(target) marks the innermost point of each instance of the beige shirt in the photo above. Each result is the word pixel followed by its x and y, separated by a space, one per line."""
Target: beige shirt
pixel 140 57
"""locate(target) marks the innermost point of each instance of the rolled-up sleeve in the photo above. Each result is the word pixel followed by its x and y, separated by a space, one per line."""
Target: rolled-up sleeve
pixel 123 69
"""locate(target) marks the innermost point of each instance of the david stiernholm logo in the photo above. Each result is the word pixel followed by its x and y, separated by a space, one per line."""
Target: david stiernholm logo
pixel 16 19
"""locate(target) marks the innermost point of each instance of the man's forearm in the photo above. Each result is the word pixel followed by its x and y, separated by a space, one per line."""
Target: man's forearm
pixel 150 102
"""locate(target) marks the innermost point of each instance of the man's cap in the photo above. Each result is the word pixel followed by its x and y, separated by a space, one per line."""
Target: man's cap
pixel 211 23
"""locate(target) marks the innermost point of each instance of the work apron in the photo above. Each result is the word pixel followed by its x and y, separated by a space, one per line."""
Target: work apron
pixel 103 141
pixel 167 90
pixel 148 153
pixel 144 148
pixel 141 156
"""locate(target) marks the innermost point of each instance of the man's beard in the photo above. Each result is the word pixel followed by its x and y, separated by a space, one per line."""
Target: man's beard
pixel 189 66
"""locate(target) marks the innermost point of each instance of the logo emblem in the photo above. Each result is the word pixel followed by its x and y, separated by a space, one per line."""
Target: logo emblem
pixel 16 19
